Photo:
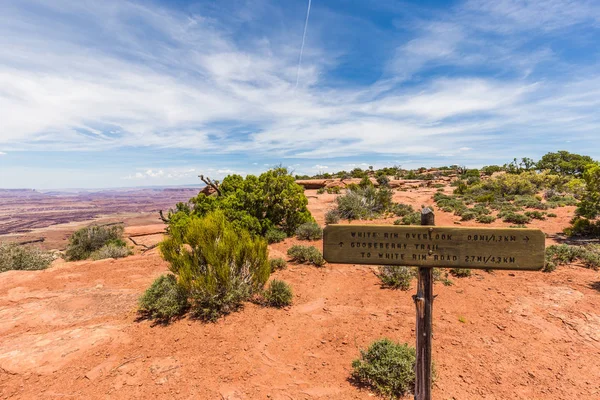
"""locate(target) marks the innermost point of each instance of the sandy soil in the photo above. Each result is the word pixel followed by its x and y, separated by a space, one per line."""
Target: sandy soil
pixel 71 331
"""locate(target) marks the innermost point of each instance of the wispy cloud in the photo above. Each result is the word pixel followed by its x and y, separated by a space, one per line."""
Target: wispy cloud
pixel 491 76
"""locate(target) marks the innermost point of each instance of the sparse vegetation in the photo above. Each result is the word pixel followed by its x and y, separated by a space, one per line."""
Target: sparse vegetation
pixel 164 300
pixel 486 219
pixel 218 264
pixel 23 258
pixel 461 272
pixel 396 277
pixel 111 250
pixel 411 219
pixel 515 218
pixel 87 240
pixel 388 368
pixel 306 254
pixel 275 235
pixel 277 264
pixel 564 254
pixel 309 231
pixel 332 217
pixel 279 294
pixel 364 201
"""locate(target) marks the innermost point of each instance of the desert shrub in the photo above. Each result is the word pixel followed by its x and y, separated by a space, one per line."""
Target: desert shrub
pixel 564 254
pixel 85 241
pixel 530 202
pixel 278 294
pixel 364 202
pixel 334 190
pixel 412 219
pixel 218 264
pixel 111 250
pixel 309 231
pixel 388 368
pixel 321 190
pixel 306 254
pixel 383 180
pixel 256 204
pixel 583 227
pixel 396 277
pixel 490 169
pixel 23 258
pixel 468 216
pixel 277 263
pixel 461 272
pixel 332 217
pixel 588 208
pixel 536 215
pixel 551 215
pixel 401 210
pixel 486 219
pixel 164 299
pixel 516 218
pixel 274 235
pixel 562 201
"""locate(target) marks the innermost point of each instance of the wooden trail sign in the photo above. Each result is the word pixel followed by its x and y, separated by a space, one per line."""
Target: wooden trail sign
pixel 429 246
pixel 432 246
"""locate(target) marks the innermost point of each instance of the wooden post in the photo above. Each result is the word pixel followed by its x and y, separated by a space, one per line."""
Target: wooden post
pixel 424 305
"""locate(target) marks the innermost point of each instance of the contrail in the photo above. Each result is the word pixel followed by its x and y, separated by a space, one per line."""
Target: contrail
pixel 302 47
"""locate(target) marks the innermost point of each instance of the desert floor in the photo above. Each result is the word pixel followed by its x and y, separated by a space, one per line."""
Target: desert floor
pixel 71 331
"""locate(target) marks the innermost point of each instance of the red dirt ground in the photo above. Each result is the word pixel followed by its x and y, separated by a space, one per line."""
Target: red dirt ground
pixel 71 331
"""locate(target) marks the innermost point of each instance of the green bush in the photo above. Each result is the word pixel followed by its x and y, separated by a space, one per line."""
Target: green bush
pixel 468 216
pixel 536 215
pixel 279 294
pixel 461 272
pixel 87 240
pixel 486 219
pixel 219 264
pixel 388 368
pixel 164 299
pixel 309 231
pixel 256 204
pixel 412 219
pixel 306 254
pixel 332 217
pixel 274 235
pixel 551 215
pixel 401 210
pixel 364 202
pixel 516 218
pixel 334 190
pixel 589 208
pixel 564 163
pixel 321 190
pixel 396 277
pixel 564 254
pixel 23 258
pixel 277 263
pixel 111 251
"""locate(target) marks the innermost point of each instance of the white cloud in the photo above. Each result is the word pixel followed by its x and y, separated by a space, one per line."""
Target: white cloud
pixel 2 153
pixel 321 166
pixel 186 79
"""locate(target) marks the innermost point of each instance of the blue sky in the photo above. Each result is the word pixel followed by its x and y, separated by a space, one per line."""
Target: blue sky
pixel 127 93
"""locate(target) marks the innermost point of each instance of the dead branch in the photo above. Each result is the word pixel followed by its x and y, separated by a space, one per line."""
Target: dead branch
pixel 162 217
pixel 146 248
pixel 210 183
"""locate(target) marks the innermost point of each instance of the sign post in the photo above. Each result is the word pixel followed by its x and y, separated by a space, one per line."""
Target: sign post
pixel 424 306
pixel 429 246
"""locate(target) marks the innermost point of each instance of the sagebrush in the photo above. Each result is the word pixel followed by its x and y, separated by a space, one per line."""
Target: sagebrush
pixel 164 299
pixel 306 254
pixel 23 258
pixel 388 368
pixel 87 240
